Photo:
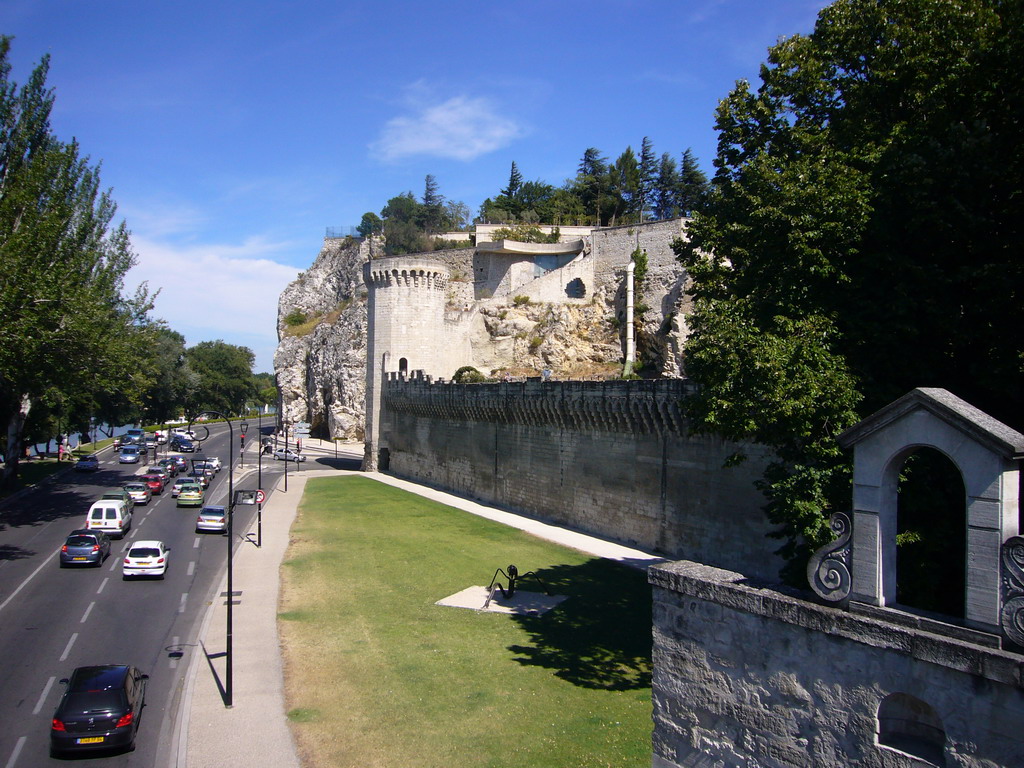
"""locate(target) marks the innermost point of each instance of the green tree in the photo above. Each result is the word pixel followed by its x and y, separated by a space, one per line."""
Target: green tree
pixel 370 225
pixel 226 383
pixel 647 176
pixel 64 323
pixel 693 185
pixel 666 188
pixel 864 238
pixel 431 216
pixel 591 184
pixel 624 186
pixel 402 233
pixel 515 181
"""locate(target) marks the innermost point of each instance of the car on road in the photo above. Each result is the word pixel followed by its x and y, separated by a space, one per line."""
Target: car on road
pixel 170 465
pixel 287 454
pixel 181 444
pixel 154 482
pixel 85 547
pixel 130 454
pixel 191 495
pixel 88 463
pixel 110 516
pixel 119 494
pixel 161 470
pixel 178 482
pixel 181 462
pixel 99 710
pixel 200 476
pixel 212 519
pixel 214 462
pixel 145 558
pixel 139 492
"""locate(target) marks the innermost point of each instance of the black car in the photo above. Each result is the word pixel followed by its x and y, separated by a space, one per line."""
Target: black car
pixel 85 547
pixel 99 710
pixel 182 444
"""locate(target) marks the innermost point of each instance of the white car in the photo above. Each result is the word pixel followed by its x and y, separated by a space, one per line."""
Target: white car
pixel 214 462
pixel 287 454
pixel 146 558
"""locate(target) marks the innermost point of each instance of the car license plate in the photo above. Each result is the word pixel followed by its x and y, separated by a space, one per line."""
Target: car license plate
pixel 91 740
pixel 78 558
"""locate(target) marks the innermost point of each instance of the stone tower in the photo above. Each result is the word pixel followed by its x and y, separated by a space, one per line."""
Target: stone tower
pixel 405 332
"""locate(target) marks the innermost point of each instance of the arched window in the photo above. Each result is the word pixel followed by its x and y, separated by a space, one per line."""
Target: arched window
pixel 907 724
pixel 403 365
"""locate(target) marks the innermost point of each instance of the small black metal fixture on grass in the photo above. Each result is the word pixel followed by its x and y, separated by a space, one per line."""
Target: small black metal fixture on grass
pixel 512 576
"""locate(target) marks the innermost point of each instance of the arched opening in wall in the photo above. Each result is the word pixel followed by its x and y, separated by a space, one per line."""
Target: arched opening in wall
pixel 931 535
pixel 907 724
pixel 403 366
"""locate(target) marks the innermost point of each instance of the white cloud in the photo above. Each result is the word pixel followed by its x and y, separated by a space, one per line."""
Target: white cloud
pixel 216 291
pixel 460 128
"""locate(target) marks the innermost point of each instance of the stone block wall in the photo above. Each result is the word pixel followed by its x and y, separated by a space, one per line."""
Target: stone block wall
pixel 748 676
pixel 612 246
pixel 610 458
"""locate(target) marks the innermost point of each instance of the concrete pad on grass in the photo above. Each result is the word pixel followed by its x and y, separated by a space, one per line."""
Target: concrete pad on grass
pixel 521 603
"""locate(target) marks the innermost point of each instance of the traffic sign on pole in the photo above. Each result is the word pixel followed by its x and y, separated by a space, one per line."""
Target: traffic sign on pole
pixel 260 497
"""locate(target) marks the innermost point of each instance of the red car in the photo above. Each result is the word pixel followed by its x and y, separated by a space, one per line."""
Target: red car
pixel 155 483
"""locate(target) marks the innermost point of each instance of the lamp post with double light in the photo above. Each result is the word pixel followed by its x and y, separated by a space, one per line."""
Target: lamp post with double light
pixel 228 655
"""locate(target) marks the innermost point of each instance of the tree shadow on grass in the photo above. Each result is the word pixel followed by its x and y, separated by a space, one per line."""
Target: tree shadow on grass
pixel 601 636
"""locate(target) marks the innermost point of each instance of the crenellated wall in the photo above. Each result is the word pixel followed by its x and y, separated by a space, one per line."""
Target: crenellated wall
pixel 611 458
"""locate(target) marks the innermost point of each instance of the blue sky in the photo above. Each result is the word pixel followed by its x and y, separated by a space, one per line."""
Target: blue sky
pixel 234 133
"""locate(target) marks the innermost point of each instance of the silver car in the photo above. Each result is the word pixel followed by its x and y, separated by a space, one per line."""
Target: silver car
pixel 130 454
pixel 212 519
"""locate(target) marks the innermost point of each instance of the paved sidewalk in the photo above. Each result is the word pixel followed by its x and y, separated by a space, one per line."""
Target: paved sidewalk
pixel 254 732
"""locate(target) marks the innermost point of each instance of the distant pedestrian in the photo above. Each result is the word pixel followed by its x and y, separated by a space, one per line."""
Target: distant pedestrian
pixel 60 452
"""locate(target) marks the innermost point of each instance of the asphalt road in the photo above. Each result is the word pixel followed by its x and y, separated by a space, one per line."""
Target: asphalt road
pixel 53 620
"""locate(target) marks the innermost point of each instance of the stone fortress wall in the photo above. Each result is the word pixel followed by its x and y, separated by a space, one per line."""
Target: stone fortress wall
pixel 610 458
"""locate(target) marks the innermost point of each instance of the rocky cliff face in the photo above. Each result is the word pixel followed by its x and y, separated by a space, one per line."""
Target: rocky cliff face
pixel 322 325
pixel 321 355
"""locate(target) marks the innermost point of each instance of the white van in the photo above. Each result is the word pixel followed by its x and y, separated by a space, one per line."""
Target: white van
pixel 110 516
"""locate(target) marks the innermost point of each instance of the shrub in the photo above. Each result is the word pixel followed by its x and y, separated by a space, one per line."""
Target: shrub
pixel 467 374
pixel 535 342
pixel 521 301
pixel 295 317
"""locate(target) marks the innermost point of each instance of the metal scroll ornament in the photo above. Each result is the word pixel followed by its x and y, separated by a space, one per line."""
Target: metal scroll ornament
pixel 1013 589
pixel 828 570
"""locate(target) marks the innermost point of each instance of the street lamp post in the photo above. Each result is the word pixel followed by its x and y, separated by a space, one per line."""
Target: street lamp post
pixel 259 481
pixel 229 674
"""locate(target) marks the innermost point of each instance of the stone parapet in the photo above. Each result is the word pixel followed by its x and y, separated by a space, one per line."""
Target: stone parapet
pixel 748 674
pixel 644 407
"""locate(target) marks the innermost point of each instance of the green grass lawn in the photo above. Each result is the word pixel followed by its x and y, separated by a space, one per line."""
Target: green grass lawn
pixel 378 675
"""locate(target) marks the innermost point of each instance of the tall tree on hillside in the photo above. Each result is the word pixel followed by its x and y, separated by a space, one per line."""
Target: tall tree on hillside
pixel 624 186
pixel 666 189
pixel 648 175
pixel 515 181
pixel 864 235
pixel 370 225
pixel 693 185
pixel 591 184
pixel 402 233
pixel 63 317
pixel 431 214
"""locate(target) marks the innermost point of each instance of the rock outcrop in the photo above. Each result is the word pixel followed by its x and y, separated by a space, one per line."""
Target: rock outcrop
pixel 321 356
pixel 322 327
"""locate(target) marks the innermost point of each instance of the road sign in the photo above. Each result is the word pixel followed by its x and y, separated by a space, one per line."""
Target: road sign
pixel 260 497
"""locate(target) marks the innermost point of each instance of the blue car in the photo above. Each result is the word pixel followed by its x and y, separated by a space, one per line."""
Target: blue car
pixel 87 464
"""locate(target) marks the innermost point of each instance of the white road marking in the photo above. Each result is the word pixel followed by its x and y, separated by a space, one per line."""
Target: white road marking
pixel 195 545
pixel 184 598
pixel 16 752
pixel 87 612
pixel 67 649
pixel 42 697
pixel 174 659
pixel 32 576
pixel 103 584
pixel 191 567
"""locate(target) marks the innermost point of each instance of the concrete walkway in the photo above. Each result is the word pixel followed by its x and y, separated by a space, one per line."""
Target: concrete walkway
pixel 254 731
